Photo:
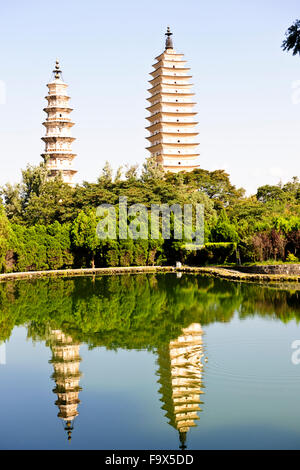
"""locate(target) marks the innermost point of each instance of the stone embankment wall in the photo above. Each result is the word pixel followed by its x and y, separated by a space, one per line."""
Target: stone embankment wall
pixel 233 274
pixel 288 269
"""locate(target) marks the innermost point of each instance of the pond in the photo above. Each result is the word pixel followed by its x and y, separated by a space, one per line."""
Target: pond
pixel 163 361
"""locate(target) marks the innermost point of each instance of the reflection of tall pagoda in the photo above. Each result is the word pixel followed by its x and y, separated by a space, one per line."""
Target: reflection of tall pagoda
pixel 180 372
pixel 65 360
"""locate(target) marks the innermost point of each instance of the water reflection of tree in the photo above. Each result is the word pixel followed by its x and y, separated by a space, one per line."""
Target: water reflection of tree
pixel 142 311
pixel 271 302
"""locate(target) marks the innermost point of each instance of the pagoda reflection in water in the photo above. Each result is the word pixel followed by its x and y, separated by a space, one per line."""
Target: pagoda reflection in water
pixel 65 361
pixel 180 377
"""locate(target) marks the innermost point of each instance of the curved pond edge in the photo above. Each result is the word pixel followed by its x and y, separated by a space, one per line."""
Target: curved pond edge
pixel 225 273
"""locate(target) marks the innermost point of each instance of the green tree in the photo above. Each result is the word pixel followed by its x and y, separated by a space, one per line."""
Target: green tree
pixel 216 185
pixel 131 172
pixel 106 175
pixel 84 234
pixel 152 170
pixel 33 179
pixel 271 193
pixel 5 235
pixel 118 175
pixel 292 40
pixel 54 202
pixel 224 231
pixel 13 202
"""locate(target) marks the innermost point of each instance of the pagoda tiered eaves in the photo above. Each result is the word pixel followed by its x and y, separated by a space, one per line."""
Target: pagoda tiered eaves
pixel 160 106
pixel 171 113
pixel 58 152
pixel 168 73
pixel 174 55
pixel 161 124
pixel 166 95
pixel 170 86
pixel 158 79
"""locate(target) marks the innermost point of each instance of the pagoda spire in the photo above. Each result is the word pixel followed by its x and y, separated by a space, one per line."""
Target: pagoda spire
pixel 172 117
pixel 180 377
pixel 182 438
pixel 169 41
pixel 57 72
pixel 58 153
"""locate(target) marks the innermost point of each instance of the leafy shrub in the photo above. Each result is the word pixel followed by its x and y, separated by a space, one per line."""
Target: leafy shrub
pixel 292 258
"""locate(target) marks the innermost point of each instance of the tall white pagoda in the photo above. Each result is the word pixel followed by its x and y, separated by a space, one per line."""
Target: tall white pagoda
pixel 58 140
pixel 172 119
pixel 180 377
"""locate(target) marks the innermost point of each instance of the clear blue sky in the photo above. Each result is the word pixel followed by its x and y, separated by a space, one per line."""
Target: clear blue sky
pixel 248 122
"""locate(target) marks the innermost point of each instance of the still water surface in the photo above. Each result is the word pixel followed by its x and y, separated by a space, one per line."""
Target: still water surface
pixel 148 362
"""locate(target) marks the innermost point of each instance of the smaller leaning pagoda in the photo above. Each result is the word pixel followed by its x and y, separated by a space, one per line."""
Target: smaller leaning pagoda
pixel 65 361
pixel 58 153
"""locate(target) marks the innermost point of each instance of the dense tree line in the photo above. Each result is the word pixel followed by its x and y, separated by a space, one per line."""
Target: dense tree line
pixel 46 224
